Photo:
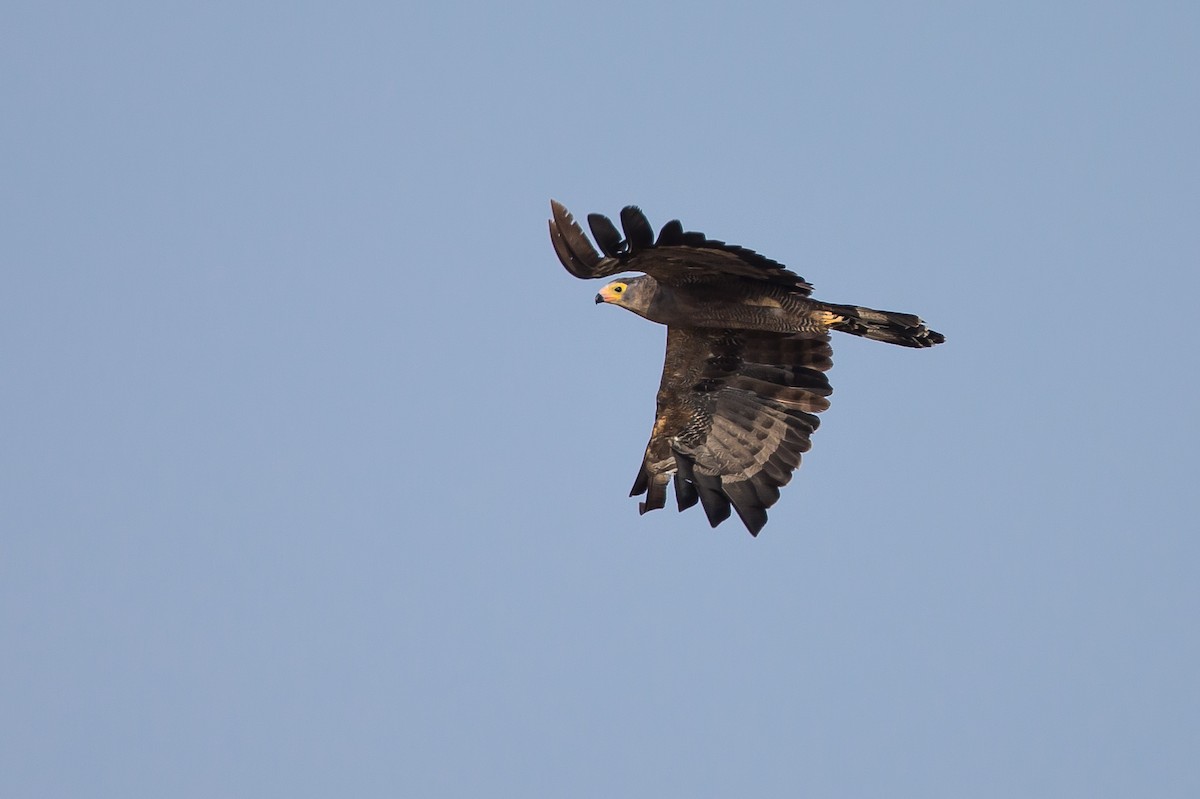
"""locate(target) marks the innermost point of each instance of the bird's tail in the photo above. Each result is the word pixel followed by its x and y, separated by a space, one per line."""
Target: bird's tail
pixel 904 329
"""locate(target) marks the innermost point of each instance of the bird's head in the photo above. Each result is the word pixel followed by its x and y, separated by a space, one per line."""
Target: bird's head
pixel 633 293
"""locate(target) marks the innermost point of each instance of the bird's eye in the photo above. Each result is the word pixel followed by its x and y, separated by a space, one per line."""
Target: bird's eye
pixel 618 289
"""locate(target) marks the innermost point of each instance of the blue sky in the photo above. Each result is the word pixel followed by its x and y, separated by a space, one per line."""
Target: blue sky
pixel 314 468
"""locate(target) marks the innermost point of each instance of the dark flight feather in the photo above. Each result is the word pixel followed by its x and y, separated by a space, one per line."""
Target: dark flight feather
pixel 671 235
pixel 571 245
pixel 637 229
pixel 745 501
pixel 607 237
pixel 685 493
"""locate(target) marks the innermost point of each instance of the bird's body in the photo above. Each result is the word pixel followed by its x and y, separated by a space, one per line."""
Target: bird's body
pixel 744 304
pixel 747 348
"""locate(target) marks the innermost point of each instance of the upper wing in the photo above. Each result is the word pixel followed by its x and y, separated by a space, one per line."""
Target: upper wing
pixel 677 256
pixel 735 413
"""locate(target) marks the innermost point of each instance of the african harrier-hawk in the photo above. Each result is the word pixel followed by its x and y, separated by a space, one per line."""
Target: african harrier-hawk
pixel 747 350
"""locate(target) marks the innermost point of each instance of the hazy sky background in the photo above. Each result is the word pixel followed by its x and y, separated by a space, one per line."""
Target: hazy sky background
pixel 314 461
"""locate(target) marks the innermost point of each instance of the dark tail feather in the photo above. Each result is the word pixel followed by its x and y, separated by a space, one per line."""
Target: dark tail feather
pixel 904 329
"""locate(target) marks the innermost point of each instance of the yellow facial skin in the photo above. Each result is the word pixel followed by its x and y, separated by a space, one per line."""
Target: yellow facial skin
pixel 613 292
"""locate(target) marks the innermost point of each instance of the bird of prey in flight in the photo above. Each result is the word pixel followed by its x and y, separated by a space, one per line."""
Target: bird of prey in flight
pixel 747 352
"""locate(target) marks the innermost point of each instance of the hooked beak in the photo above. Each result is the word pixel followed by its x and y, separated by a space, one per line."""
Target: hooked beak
pixel 599 298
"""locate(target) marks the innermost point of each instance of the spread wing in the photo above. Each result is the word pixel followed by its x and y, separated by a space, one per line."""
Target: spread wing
pixel 735 413
pixel 676 256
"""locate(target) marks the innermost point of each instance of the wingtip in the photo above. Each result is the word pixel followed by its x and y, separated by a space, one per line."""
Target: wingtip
pixel 571 245
pixel 747 504
pixel 671 234
pixel 637 229
pixel 607 237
